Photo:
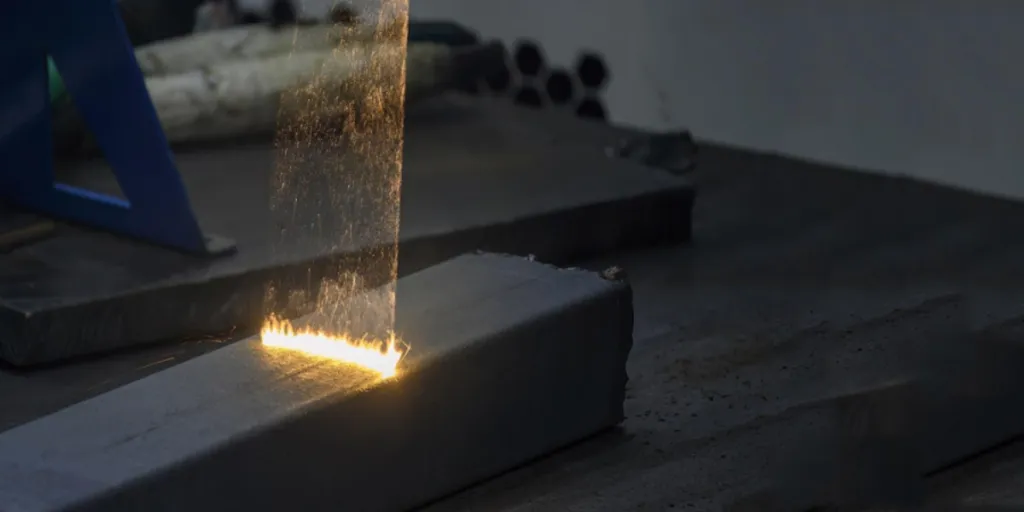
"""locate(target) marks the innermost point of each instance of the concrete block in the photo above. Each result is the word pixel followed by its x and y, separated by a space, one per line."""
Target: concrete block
pixel 887 440
pixel 510 359
pixel 476 179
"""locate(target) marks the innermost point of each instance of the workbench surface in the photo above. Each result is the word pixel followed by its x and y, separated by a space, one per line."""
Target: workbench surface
pixel 801 280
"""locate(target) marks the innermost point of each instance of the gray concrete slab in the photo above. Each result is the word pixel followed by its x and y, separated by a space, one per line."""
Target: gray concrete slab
pixel 799 284
pixel 961 401
pixel 994 480
pixel 765 312
pixel 475 177
pixel 510 360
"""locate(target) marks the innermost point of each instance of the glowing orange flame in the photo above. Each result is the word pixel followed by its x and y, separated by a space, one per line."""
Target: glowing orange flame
pixel 381 356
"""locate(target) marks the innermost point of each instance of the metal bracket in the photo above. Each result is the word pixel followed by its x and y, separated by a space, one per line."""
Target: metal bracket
pixel 89 45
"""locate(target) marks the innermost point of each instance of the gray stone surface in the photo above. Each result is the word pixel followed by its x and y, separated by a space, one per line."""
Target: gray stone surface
pixel 765 312
pixel 995 481
pixel 955 397
pixel 477 176
pixel 510 360
pixel 803 282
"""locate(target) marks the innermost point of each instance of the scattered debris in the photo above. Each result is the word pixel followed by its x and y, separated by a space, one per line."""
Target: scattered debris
pixel 614 273
pixel 674 151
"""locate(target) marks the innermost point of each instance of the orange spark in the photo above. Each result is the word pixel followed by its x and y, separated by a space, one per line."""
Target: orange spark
pixel 380 356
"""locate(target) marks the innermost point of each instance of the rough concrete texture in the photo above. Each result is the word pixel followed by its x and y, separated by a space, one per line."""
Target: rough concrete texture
pixel 993 480
pixel 890 439
pixel 802 284
pixel 767 312
pixel 511 359
pixel 476 177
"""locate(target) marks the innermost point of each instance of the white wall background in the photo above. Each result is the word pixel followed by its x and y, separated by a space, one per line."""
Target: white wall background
pixel 928 88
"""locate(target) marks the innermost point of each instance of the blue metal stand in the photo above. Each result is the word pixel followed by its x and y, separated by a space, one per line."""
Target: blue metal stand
pixel 89 45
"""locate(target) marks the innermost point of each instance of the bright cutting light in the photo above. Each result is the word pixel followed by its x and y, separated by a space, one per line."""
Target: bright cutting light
pixel 381 356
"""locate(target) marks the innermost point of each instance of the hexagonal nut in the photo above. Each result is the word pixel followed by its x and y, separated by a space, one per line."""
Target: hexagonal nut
pixel 343 13
pixel 592 108
pixel 502 80
pixel 561 87
pixel 529 58
pixel 528 96
pixel 592 71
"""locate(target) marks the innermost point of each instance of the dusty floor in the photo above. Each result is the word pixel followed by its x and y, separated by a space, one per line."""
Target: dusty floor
pixel 802 282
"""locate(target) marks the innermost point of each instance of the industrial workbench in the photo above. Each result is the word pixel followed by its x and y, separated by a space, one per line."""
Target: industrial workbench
pixel 801 279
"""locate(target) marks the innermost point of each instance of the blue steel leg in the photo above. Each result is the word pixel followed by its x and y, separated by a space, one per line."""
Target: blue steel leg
pixel 89 45
pixel 26 146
